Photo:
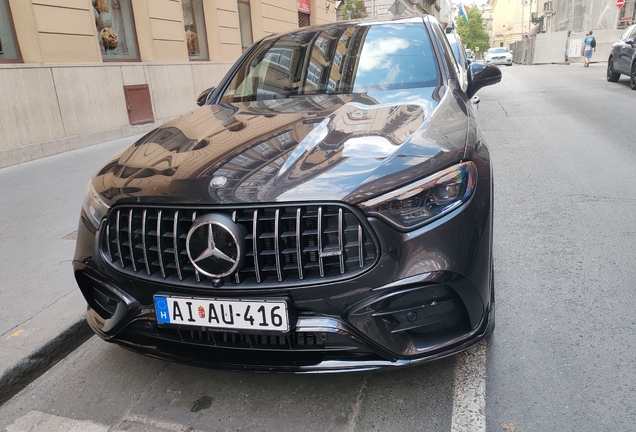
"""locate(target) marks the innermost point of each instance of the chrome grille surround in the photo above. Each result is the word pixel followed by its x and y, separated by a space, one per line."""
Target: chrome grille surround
pixel 336 243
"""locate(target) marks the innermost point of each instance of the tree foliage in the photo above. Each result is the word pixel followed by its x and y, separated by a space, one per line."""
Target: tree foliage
pixel 354 9
pixel 472 32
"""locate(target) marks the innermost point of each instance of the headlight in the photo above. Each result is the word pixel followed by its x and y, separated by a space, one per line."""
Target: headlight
pixel 425 200
pixel 93 206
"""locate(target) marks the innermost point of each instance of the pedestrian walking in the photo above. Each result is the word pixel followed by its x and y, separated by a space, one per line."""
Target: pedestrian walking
pixel 589 47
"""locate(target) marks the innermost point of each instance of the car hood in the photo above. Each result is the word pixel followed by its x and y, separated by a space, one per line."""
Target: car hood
pixel 326 147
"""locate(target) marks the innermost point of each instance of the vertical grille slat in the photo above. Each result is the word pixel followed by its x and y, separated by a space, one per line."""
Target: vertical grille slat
pixel 286 244
pixel 321 264
pixel 196 272
pixel 130 239
pixel 110 253
pixel 144 233
pixel 159 248
pixel 175 238
pixel 279 271
pixel 257 269
pixel 360 246
pixel 341 240
pixel 118 233
pixel 299 245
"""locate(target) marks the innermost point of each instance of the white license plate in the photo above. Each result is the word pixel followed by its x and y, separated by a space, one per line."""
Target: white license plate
pixel 254 315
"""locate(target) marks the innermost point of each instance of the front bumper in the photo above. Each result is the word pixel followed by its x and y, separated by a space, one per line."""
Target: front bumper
pixel 502 61
pixel 428 296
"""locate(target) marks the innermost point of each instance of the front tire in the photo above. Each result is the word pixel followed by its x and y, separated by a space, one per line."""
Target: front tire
pixel 632 78
pixel 611 75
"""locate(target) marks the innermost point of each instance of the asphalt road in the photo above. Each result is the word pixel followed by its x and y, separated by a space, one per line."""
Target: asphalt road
pixel 562 355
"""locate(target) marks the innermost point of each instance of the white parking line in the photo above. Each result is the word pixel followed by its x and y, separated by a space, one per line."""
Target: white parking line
pixel 36 421
pixel 353 417
pixel 469 396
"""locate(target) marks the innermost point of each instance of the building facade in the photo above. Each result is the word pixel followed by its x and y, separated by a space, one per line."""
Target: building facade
pixel 384 10
pixel 510 21
pixel 78 72
pixel 585 15
pixel 486 16
pixel 514 20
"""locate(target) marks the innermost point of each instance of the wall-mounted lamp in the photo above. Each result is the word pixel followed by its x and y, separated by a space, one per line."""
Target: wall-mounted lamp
pixel 327 4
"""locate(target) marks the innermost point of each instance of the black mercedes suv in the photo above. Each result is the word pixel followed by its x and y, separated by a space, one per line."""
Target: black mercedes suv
pixel 327 208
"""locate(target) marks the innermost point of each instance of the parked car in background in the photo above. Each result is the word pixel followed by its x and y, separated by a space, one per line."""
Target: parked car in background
pixel 622 59
pixel 328 208
pixel 498 56
pixel 459 51
pixel 470 55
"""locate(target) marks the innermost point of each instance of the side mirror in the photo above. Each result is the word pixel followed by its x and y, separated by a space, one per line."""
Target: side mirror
pixel 631 42
pixel 481 75
pixel 203 97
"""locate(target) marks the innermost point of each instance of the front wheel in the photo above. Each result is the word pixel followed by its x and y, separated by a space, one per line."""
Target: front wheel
pixel 611 75
pixel 632 78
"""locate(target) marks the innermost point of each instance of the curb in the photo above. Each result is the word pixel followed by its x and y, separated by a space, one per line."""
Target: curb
pixel 35 363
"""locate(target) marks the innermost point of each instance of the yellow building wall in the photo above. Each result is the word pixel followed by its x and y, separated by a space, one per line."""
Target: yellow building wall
pixel 279 15
pixel 506 22
pixel 229 36
pixel 26 31
pixel 65 97
pixel 212 29
pixel 66 30
pixel 322 11
pixel 168 33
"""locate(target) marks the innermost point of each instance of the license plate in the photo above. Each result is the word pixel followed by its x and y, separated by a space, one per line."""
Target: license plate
pixel 254 315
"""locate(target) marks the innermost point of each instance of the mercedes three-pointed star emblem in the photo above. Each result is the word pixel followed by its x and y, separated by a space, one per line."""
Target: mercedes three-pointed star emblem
pixel 214 245
pixel 212 250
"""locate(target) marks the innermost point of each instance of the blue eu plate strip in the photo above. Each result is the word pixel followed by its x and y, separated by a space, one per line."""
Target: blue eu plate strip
pixel 161 306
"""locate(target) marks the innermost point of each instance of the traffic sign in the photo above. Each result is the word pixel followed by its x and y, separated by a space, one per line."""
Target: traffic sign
pixel 397 8
pixel 620 3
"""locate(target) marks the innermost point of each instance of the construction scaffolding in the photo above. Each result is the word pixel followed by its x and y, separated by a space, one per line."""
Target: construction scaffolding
pixel 563 24
pixel 585 15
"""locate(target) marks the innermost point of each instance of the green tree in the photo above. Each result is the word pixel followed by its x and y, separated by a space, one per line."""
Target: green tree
pixel 472 32
pixel 354 9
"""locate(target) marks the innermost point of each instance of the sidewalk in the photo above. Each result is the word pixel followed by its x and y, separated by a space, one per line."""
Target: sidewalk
pixel 41 307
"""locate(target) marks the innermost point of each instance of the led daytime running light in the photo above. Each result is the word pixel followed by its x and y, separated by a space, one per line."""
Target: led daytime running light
pixel 418 203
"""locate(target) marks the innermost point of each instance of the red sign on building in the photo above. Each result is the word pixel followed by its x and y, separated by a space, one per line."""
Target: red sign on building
pixel 303 6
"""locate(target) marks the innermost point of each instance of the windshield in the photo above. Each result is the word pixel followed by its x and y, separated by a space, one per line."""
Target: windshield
pixel 342 59
pixel 497 50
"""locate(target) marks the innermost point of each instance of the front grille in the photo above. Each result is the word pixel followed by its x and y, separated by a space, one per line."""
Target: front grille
pixel 289 244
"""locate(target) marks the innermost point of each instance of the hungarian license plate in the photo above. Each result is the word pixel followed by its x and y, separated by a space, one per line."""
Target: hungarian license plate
pixel 254 315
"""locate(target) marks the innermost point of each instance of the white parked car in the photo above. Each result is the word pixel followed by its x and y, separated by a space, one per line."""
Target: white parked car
pixel 498 56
